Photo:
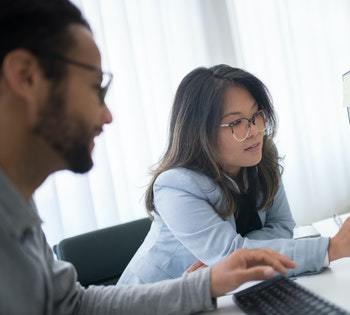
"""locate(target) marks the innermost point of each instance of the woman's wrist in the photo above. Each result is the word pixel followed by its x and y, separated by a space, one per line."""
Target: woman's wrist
pixel 332 250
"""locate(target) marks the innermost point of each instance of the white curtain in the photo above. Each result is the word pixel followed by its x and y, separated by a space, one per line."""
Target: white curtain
pixel 298 48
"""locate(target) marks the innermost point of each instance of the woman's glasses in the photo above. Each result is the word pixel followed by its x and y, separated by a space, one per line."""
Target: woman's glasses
pixel 241 127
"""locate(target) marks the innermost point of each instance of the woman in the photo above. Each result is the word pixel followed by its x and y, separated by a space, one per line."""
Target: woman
pixel 218 186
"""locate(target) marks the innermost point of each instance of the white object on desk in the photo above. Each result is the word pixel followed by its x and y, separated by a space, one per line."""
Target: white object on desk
pixel 326 228
pixel 346 92
pixel 346 89
pixel 305 231
pixel 329 227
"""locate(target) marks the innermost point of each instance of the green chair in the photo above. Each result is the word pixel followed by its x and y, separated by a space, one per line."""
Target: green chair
pixel 101 256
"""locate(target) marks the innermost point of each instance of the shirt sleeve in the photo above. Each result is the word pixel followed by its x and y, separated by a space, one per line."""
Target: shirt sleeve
pixel 279 221
pixel 185 203
pixel 185 295
pixel 326 260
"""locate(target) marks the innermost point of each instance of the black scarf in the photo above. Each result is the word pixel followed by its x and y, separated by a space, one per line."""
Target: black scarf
pixel 247 218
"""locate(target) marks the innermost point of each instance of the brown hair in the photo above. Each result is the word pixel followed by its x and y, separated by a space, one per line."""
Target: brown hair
pixel 195 119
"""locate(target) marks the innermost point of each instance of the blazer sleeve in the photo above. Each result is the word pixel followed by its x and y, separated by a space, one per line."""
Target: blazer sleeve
pixel 279 222
pixel 184 200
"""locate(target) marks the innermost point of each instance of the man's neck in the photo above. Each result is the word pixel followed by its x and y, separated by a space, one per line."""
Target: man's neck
pixel 25 180
pixel 26 163
pixel 25 158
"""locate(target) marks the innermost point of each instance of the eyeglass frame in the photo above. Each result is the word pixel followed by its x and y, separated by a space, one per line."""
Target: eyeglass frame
pixel 102 90
pixel 250 121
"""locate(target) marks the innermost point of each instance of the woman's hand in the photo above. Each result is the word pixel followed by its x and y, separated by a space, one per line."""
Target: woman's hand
pixel 195 266
pixel 246 265
pixel 339 245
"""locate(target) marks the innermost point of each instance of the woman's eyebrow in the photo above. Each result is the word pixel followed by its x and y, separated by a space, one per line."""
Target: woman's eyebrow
pixel 238 113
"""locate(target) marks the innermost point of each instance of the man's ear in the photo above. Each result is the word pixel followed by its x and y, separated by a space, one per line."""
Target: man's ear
pixel 24 77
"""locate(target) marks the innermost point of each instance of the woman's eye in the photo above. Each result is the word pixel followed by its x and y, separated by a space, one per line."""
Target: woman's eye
pixel 234 123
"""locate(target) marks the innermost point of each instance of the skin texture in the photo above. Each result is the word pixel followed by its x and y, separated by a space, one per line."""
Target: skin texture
pixel 74 115
pixel 47 126
pixel 238 103
pixel 245 265
pixel 339 245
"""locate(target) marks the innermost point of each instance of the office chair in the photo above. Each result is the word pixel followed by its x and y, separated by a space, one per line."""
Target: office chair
pixel 101 256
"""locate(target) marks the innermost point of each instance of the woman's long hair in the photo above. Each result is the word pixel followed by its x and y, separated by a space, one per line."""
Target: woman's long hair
pixel 195 119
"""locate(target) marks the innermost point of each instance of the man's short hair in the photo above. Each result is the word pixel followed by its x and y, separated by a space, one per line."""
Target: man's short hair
pixel 41 27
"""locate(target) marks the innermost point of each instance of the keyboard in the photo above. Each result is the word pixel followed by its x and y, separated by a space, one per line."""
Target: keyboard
pixel 280 295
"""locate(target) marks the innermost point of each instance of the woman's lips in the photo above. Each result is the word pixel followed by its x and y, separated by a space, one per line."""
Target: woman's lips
pixel 254 147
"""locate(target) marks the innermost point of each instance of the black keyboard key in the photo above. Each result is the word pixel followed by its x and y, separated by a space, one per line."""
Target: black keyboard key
pixel 281 295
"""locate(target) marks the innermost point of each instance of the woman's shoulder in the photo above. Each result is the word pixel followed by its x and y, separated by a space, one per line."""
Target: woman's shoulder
pixel 181 177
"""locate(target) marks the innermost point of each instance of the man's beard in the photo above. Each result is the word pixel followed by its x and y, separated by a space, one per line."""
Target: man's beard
pixel 70 137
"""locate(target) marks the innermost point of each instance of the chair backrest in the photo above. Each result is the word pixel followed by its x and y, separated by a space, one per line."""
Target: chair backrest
pixel 101 256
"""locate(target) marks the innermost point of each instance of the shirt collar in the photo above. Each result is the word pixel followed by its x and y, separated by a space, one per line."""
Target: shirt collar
pixel 17 213
pixel 235 185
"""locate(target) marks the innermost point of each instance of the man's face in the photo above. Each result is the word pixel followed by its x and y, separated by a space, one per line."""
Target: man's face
pixel 73 114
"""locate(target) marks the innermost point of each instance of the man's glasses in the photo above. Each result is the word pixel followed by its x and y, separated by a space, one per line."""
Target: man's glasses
pixel 241 127
pixel 106 77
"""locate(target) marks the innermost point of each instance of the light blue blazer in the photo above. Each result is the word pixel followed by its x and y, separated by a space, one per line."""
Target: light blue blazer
pixel 186 229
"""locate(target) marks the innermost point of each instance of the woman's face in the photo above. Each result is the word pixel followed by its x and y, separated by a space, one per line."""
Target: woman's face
pixel 234 154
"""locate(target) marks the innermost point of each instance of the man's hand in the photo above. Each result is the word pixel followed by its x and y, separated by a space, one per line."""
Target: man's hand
pixel 246 265
pixel 339 245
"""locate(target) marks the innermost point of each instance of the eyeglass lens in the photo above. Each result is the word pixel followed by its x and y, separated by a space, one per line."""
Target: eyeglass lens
pixel 106 81
pixel 241 129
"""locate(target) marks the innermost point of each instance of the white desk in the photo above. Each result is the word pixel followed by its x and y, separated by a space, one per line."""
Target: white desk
pixel 333 284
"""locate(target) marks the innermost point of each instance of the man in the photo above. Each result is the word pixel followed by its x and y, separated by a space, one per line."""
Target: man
pixel 51 108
